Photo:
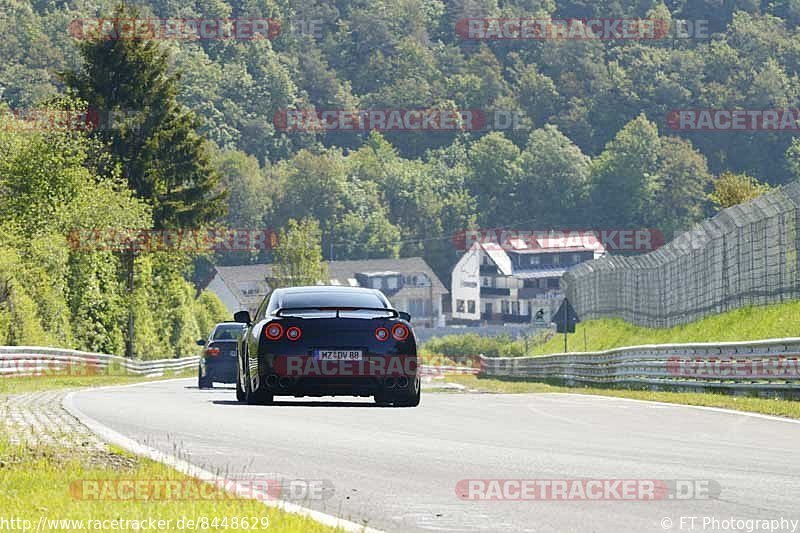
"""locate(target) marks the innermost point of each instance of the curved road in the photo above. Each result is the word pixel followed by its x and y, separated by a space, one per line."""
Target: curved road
pixel 397 469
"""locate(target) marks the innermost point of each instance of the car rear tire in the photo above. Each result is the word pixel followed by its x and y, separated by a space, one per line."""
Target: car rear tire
pixel 382 400
pixel 204 382
pixel 411 397
pixel 240 395
pixel 259 397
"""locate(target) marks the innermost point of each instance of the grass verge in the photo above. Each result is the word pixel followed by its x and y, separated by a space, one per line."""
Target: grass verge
pixel 784 408
pixel 52 382
pixel 41 481
pixel 744 324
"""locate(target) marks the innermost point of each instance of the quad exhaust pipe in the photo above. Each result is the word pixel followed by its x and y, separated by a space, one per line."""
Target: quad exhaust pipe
pixel 389 383
pixel 284 382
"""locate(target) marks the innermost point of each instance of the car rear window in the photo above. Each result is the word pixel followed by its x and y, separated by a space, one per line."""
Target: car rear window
pixel 331 299
pixel 228 332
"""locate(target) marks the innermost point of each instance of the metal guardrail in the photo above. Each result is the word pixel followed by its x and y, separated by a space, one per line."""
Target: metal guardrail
pixel 767 366
pixel 432 370
pixel 37 361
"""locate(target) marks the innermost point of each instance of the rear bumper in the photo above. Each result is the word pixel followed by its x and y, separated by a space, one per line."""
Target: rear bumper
pixel 321 386
pixel 219 369
pixel 305 376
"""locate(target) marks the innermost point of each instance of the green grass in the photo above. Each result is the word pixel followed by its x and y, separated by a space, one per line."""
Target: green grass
pixel 744 324
pixel 36 481
pixel 785 408
pixel 37 383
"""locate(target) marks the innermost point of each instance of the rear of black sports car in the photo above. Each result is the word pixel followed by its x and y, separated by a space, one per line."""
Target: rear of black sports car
pixel 339 351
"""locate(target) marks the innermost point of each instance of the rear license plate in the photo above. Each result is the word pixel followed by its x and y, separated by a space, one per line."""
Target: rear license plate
pixel 339 355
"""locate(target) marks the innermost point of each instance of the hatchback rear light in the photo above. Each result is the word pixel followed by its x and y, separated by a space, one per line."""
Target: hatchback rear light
pixel 294 333
pixel 212 352
pixel 399 332
pixel 382 334
pixel 273 331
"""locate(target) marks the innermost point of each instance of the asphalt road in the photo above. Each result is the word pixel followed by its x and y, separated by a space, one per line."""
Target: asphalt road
pixel 397 469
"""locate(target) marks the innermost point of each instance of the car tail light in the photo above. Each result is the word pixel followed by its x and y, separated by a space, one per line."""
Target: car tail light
pixel 382 334
pixel 273 331
pixel 212 352
pixel 399 332
pixel 294 333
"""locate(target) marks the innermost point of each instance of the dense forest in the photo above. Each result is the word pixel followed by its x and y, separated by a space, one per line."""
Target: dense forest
pixel 591 144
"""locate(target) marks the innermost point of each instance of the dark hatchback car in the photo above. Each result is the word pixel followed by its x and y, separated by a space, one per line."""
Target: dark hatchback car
pixel 218 360
pixel 328 341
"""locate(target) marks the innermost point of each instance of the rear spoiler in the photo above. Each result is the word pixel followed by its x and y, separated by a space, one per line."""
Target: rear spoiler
pixel 393 312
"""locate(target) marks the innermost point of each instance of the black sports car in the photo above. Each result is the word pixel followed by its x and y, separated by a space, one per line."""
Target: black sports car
pixel 328 341
pixel 218 360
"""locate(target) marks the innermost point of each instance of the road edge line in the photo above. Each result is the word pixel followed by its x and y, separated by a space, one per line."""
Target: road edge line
pixel 113 437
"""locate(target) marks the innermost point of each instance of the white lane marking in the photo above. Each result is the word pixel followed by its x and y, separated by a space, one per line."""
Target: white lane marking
pixel 111 436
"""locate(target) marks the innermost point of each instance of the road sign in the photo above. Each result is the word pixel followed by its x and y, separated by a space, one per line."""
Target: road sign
pixel 539 320
pixel 566 318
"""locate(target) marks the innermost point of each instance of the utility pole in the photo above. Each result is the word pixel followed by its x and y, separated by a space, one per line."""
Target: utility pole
pixel 130 259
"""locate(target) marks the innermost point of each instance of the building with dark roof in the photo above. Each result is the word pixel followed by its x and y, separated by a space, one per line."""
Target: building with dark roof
pixel 409 283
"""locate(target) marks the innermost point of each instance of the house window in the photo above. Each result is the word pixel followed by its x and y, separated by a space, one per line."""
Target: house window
pixel 459 306
pixel 556 259
pixel 552 283
pixel 391 282
pixel 576 258
pixel 486 282
pixel 534 260
pixel 377 283
pixel 504 307
pixel 471 307
pixel 418 307
pixel 514 308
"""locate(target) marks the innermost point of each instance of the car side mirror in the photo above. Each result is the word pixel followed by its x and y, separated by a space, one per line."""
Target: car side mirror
pixel 242 317
pixel 201 342
pixel 405 316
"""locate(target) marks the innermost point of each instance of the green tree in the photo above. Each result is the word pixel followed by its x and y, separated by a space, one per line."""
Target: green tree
pixel 625 176
pixel 156 142
pixel 732 189
pixel 553 180
pixel 684 176
pixel 298 255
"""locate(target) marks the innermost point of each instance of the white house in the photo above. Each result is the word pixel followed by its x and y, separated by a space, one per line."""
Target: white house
pixel 516 282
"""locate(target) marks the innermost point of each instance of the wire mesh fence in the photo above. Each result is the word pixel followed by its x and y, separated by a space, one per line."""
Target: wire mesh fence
pixel 746 255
